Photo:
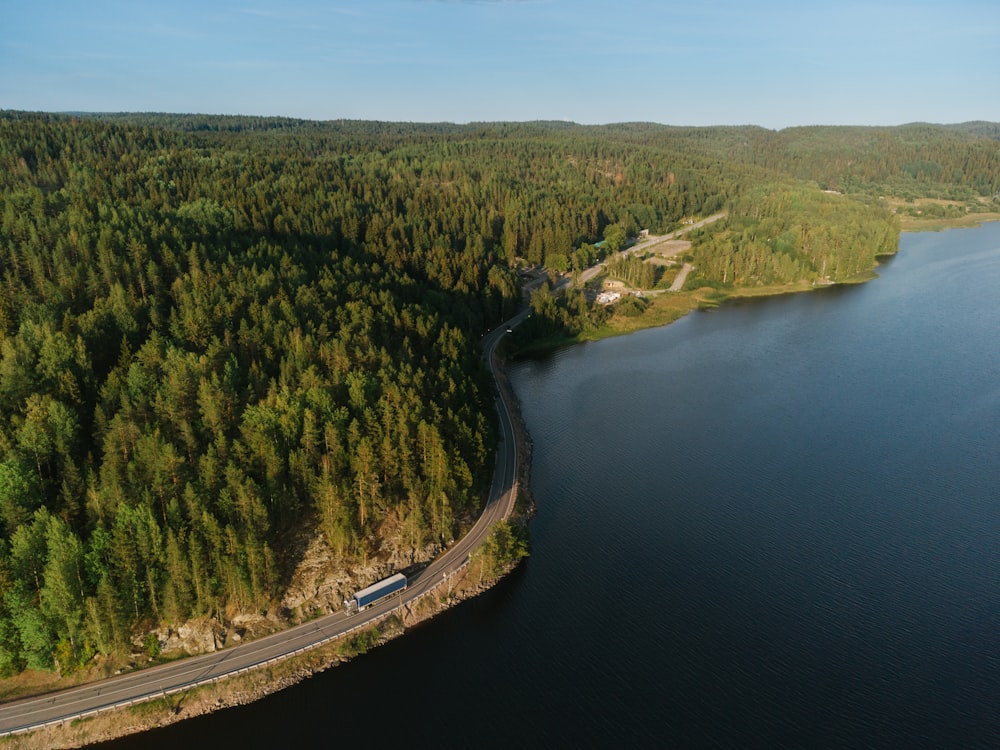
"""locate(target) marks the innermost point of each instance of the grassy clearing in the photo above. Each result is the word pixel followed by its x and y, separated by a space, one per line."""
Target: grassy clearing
pixel 663 310
pixel 936 214
pixel 936 225
pixel 667 307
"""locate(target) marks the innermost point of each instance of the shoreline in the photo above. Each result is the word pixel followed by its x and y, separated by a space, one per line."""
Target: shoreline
pixel 670 308
pixel 667 309
pixel 258 684
pixel 969 221
pixel 265 680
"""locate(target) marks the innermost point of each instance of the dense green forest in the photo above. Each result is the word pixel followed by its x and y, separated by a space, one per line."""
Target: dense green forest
pixel 216 332
pixel 808 206
pixel 212 337
pixel 783 234
pixel 957 161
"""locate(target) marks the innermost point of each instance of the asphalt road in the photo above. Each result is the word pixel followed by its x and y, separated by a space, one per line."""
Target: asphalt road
pixel 183 674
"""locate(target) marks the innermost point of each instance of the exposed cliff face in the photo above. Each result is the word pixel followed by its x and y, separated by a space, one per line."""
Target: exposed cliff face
pixel 192 637
pixel 245 688
pixel 319 584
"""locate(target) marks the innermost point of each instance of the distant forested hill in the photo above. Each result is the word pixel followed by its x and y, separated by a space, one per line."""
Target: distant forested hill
pixel 978 128
pixel 955 161
pixel 217 332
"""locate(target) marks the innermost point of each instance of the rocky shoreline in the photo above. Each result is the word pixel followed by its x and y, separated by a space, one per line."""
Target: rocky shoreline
pixel 323 590
pixel 248 688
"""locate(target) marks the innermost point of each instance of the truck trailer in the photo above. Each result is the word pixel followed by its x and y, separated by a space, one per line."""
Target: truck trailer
pixel 376 592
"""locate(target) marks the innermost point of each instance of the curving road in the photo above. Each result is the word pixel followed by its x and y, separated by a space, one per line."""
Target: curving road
pixel 163 680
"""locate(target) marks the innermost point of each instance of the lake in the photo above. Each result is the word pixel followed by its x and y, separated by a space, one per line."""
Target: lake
pixel 773 524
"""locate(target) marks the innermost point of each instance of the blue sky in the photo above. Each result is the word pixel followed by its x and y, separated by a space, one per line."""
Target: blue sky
pixel 775 63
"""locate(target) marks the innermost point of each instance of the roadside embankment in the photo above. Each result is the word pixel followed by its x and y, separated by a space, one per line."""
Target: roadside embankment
pixel 257 684
pixel 476 576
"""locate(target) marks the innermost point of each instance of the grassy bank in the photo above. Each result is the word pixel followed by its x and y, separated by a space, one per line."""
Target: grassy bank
pixel 935 214
pixel 664 309
pixel 968 221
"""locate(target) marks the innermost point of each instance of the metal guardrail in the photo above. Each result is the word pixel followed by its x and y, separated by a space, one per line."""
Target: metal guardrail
pixel 164 693
pixel 201 682
pixel 271 661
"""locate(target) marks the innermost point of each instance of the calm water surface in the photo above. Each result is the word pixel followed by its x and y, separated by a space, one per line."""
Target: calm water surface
pixel 776 524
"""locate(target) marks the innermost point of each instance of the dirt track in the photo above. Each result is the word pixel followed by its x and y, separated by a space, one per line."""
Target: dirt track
pixel 650 243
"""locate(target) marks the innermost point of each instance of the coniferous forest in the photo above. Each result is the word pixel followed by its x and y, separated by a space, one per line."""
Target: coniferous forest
pixel 216 332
